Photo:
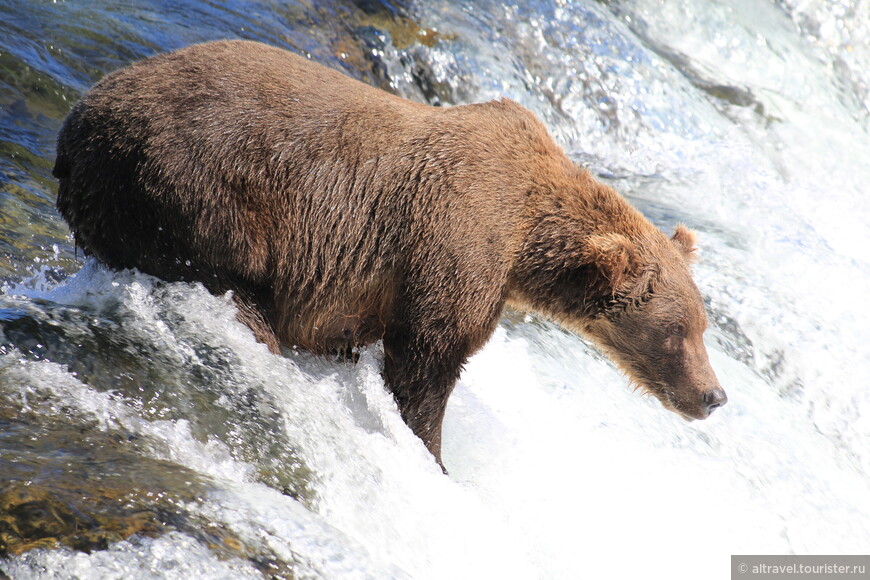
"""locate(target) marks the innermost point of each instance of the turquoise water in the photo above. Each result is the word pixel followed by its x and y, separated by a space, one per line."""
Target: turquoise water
pixel 746 120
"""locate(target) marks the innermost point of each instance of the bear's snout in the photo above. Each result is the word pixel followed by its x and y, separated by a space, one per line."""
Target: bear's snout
pixel 712 400
pixel 699 405
pixel 695 406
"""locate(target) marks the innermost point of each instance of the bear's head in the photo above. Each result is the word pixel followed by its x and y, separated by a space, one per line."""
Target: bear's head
pixel 650 319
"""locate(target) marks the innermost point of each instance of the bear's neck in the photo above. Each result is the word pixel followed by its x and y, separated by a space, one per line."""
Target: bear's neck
pixel 551 274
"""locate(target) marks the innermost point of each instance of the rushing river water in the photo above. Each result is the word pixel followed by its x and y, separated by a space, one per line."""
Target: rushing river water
pixel 145 434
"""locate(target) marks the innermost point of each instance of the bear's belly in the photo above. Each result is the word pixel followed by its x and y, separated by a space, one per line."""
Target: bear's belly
pixel 343 317
pixel 341 333
pixel 340 327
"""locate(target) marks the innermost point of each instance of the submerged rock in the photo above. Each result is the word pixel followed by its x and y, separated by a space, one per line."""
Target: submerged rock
pixel 81 488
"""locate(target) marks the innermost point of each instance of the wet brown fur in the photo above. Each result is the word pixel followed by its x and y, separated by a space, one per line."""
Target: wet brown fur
pixel 340 215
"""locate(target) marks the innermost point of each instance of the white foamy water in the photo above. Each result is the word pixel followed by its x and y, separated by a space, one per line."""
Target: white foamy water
pixel 746 120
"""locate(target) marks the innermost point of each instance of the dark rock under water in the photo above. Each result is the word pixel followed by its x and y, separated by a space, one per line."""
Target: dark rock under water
pixel 76 486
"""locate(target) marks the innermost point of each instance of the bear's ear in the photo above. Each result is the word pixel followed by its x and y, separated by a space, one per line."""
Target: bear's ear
pixel 614 255
pixel 685 239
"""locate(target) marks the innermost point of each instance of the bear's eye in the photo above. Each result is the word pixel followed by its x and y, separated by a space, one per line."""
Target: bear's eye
pixel 677 329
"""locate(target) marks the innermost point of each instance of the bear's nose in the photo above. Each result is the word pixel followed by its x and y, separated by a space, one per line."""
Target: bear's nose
pixel 714 399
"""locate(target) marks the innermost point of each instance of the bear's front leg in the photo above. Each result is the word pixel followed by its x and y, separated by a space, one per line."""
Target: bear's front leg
pixel 432 334
pixel 440 318
pixel 421 377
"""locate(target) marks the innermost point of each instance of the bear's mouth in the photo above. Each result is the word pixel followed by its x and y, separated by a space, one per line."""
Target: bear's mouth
pixel 666 394
pixel 669 401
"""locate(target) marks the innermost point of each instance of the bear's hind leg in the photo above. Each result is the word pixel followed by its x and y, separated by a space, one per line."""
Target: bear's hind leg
pixel 251 315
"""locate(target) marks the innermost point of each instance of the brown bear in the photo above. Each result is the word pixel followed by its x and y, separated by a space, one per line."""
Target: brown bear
pixel 339 215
